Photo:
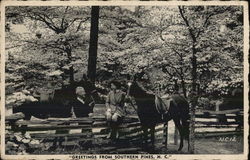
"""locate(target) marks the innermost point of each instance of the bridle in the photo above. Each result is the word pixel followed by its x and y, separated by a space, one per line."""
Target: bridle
pixel 129 86
pixel 129 97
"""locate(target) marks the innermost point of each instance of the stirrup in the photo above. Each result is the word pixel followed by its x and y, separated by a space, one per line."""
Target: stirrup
pixel 109 136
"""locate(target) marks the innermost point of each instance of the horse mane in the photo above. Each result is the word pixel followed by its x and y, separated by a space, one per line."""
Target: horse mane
pixel 140 86
pixel 142 91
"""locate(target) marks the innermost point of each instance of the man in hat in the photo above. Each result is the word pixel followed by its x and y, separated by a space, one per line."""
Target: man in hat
pixel 115 108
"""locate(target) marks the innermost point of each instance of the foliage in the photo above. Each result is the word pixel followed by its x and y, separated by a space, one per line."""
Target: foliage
pixel 19 144
pixel 154 41
pixel 58 35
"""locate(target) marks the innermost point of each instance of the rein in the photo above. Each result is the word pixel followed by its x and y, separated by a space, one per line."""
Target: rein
pixel 129 98
pixel 130 101
pixel 91 96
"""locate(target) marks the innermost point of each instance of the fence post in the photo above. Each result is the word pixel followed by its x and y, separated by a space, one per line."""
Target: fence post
pixel 192 126
pixel 175 136
pixel 165 134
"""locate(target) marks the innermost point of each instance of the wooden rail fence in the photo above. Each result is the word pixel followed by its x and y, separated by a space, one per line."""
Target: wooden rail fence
pixel 208 123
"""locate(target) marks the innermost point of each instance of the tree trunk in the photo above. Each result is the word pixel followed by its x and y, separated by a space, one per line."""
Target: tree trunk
pixel 71 74
pixel 68 50
pixel 193 96
pixel 93 43
pixel 71 69
pixel 176 87
pixel 182 76
pixel 193 99
pixel 183 87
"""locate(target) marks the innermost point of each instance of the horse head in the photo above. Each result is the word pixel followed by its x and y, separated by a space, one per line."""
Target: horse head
pixel 134 88
pixel 131 86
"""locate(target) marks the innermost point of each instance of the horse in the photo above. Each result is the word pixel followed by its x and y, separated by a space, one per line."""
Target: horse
pixel 59 106
pixel 149 107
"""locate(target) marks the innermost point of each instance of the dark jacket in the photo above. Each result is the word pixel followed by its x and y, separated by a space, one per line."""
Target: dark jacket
pixel 80 109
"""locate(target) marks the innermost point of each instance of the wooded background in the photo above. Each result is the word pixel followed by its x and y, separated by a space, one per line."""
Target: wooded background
pixel 168 44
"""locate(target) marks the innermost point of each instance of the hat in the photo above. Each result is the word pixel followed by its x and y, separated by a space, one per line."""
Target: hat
pixel 116 83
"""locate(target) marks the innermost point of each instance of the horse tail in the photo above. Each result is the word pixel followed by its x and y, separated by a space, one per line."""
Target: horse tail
pixel 185 124
pixel 185 120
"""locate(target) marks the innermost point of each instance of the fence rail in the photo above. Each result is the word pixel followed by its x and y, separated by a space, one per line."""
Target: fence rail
pixel 207 123
pixel 219 123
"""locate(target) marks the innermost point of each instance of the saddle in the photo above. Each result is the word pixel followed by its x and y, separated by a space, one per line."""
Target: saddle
pixel 162 104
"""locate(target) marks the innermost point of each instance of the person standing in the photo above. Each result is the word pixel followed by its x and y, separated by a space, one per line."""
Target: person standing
pixel 115 109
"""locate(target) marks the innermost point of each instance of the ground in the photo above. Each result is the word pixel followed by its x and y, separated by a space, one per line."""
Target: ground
pixel 214 145
pixel 220 145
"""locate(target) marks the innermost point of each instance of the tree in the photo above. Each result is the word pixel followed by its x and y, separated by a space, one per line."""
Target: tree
pixel 153 40
pixel 197 21
pixel 56 30
pixel 93 43
pixel 144 38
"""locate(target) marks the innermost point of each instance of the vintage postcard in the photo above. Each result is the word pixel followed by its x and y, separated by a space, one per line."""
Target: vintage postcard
pixel 124 80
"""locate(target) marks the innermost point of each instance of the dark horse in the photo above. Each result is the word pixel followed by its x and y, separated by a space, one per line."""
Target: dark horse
pixel 177 108
pixel 59 105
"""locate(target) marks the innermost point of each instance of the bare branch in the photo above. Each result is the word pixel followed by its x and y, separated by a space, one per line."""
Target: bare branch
pixel 63 18
pixel 182 11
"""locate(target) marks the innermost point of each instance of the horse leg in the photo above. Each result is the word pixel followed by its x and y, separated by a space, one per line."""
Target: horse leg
pixel 166 117
pixel 152 134
pixel 112 130
pixel 145 134
pixel 185 125
pixel 165 133
pixel 179 127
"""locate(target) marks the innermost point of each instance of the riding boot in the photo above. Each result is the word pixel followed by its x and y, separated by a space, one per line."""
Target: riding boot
pixel 112 130
pixel 115 134
pixel 115 128
pixel 111 133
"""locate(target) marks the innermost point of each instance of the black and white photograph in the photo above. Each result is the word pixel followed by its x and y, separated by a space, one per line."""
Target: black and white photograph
pixel 124 81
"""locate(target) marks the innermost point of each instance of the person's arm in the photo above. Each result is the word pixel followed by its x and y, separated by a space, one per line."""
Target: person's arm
pixel 123 100
pixel 108 103
pixel 90 102
pixel 73 115
pixel 91 105
pixel 121 109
